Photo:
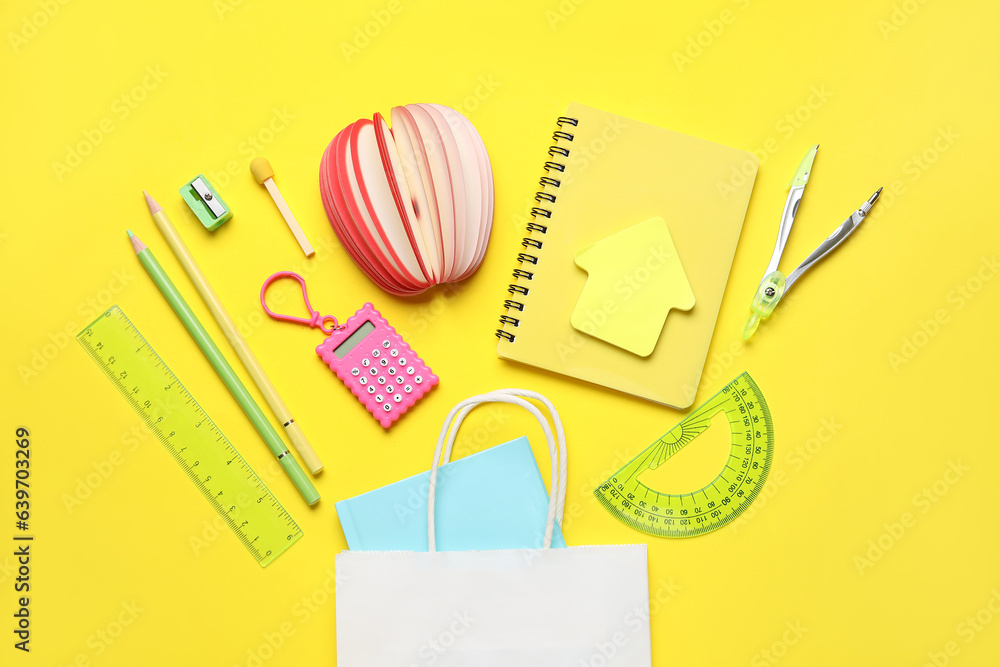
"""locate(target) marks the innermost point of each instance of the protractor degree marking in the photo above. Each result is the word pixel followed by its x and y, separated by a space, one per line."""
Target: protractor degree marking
pixel 633 479
pixel 726 505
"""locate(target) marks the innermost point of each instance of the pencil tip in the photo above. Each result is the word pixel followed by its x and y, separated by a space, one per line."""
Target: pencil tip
pixel 137 245
pixel 154 208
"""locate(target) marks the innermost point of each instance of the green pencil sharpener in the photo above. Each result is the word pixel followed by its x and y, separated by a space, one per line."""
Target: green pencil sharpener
pixel 206 203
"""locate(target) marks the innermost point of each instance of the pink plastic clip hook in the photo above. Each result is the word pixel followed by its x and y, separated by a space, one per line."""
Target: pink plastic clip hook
pixel 315 319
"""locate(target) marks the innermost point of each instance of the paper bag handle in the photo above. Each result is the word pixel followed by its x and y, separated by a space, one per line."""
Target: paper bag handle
pixel 557 481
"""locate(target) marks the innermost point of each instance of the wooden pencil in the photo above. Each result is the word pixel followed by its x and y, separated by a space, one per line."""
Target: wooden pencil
pixel 233 335
pixel 225 371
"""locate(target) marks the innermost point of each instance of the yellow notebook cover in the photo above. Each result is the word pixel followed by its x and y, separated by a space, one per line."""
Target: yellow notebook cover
pixel 604 174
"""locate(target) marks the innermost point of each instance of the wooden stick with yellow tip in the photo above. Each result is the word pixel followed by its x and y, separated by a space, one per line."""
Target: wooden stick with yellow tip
pixel 239 344
pixel 262 172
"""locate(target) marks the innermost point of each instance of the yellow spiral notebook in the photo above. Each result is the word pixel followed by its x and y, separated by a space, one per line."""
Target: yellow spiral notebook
pixel 627 255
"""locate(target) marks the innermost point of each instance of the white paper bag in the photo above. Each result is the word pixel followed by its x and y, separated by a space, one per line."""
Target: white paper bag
pixel 574 607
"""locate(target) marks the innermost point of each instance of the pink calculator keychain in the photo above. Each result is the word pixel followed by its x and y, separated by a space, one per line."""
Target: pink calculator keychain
pixel 367 354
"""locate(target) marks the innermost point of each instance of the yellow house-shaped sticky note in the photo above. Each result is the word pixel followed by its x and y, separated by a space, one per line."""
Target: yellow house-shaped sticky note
pixel 634 278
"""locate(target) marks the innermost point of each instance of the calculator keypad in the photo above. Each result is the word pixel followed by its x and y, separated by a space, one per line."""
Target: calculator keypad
pixel 380 368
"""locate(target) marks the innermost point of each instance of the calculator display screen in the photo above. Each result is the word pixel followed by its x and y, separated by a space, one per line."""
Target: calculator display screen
pixel 352 341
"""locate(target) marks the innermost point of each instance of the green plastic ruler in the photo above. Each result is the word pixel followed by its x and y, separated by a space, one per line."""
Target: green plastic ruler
pixel 190 436
pixel 722 499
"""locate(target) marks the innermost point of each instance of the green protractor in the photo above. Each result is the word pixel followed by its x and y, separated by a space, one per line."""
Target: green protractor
pixel 721 500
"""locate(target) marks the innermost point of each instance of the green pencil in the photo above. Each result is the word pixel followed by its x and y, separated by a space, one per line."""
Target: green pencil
pixel 225 371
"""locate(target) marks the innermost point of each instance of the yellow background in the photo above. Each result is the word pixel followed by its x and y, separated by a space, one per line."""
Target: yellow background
pixel 901 94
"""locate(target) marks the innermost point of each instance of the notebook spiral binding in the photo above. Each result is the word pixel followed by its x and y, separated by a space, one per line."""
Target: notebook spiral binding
pixel 535 226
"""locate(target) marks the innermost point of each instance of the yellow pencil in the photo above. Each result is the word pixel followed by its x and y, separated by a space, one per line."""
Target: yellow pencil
pixel 228 327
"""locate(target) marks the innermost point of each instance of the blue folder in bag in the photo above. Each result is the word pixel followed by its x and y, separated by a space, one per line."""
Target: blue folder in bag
pixel 494 499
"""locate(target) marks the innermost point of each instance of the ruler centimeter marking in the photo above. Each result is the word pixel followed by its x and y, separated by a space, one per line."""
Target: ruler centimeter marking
pixel 722 499
pixel 190 436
